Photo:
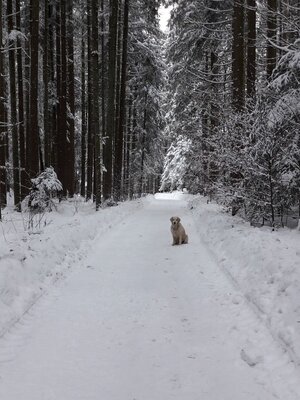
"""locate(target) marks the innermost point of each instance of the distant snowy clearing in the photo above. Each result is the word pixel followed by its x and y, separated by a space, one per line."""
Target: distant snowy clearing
pixel 172 196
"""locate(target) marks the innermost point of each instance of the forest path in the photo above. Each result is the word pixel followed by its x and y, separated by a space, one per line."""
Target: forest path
pixel 143 320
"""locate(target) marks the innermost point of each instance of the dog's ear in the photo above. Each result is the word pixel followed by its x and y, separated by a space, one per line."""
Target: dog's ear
pixel 171 219
pixel 178 219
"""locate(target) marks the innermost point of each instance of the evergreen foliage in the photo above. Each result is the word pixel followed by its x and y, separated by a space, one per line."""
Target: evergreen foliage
pixel 44 188
pixel 241 118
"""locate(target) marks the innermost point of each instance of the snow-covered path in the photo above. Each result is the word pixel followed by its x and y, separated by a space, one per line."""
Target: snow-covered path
pixel 143 320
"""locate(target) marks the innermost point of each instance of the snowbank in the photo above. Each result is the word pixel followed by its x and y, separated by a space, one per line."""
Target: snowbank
pixel 32 260
pixel 264 265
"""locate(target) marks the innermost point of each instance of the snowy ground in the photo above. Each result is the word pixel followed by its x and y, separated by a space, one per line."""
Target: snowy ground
pixel 31 260
pixel 136 318
pixel 263 263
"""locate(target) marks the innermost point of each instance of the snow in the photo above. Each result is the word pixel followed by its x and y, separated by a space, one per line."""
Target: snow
pixel 15 34
pixel 31 260
pixel 262 263
pixel 164 16
pixel 175 164
pixel 131 317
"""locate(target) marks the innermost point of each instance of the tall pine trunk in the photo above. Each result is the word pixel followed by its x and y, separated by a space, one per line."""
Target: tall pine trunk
pixel 238 56
pixel 118 79
pixel 145 116
pixel 23 189
pixel 271 34
pixel 32 151
pixel 95 105
pixel 63 161
pixel 13 105
pixel 90 139
pixel 111 98
pixel 70 171
pixel 127 142
pixel 52 108
pixel 83 116
pixel 119 139
pixel 58 137
pixel 103 64
pixel 47 129
pixel 251 47
pixel 3 122
pixel 27 24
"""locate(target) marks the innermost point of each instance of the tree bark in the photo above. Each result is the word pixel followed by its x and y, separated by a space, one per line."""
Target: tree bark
pixel 27 23
pixel 271 34
pixel 62 134
pixel 95 93
pixel 143 145
pixel 70 156
pixel 111 98
pixel 32 152
pixel 119 140
pixel 103 64
pixel 251 47
pixel 13 106
pixel 238 56
pixel 3 122
pixel 118 79
pixel 23 188
pixel 47 130
pixel 90 139
pixel 51 71
pixel 58 136
pixel 83 116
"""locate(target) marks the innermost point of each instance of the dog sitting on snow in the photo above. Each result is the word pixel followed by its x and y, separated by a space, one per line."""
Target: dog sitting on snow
pixel 178 232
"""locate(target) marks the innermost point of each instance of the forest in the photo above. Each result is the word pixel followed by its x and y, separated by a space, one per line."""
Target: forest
pixel 95 95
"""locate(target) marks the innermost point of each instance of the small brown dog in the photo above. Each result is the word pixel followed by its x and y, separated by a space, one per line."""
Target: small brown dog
pixel 178 232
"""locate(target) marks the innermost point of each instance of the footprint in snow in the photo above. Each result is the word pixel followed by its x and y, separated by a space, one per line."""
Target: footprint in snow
pixel 251 360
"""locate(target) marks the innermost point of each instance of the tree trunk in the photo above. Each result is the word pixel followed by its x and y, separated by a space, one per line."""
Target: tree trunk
pixel 53 108
pixel 90 139
pixel 118 82
pixel 27 92
pixel 238 56
pixel 23 191
pixel 47 131
pixel 127 147
pixel 271 34
pixel 119 140
pixel 58 137
pixel 132 148
pixel 83 116
pixel 13 106
pixel 3 121
pixel 95 95
pixel 62 134
pixel 111 98
pixel 32 152
pixel 70 156
pixel 143 144
pixel 251 47
pixel 103 64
